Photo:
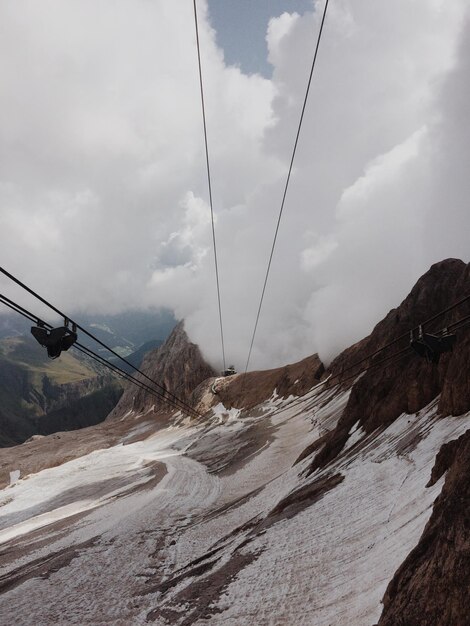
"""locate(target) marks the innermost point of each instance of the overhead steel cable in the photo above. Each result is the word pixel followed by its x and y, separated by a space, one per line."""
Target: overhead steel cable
pixel 94 338
pixel 396 355
pixel 84 349
pixel 287 183
pixel 209 183
pixel 377 363
pixel 100 359
pixel 126 376
pixel 181 406
pixel 461 323
pixel 18 309
pixel 132 379
pixel 449 308
pixel 101 343
pixel 407 333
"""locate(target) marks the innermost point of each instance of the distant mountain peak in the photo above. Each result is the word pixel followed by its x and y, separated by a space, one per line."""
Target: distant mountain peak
pixel 177 365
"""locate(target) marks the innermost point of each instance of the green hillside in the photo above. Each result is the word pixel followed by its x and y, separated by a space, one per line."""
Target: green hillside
pixel 40 395
pixel 26 352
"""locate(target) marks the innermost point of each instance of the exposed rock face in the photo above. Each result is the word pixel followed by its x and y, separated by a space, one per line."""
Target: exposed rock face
pixel 431 586
pixel 455 396
pixel 15 426
pixel 408 383
pixel 178 366
pixel 246 391
pixel 82 411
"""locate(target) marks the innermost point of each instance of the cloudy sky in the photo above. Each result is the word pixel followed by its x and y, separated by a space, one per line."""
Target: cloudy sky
pixel 103 189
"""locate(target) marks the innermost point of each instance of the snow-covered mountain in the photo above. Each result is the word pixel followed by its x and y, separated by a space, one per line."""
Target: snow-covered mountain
pixel 303 496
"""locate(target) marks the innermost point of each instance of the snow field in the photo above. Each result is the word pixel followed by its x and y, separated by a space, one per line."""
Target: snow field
pixel 328 564
pixel 331 563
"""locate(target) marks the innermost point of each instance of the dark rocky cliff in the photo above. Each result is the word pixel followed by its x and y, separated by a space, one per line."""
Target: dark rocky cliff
pixel 88 403
pixel 178 366
pixel 16 422
pixel 407 383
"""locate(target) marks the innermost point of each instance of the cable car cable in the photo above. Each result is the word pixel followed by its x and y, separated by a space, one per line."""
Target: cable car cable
pixel 31 317
pixel 287 184
pixel 457 325
pixel 209 182
pixel 450 308
pixel 125 375
pixel 17 309
pixel 86 332
pixel 399 354
pixel 407 333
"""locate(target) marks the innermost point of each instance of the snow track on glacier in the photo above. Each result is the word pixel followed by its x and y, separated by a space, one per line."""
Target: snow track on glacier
pixel 139 544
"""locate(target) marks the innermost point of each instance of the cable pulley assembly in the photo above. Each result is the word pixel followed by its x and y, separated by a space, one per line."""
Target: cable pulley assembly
pixel 430 347
pixel 56 340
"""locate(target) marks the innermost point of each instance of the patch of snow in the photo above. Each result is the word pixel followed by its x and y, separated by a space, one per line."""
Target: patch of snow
pixel 142 429
pixel 82 474
pixel 14 476
pixel 224 415
pixel 43 519
pixel 337 556
pixel 355 434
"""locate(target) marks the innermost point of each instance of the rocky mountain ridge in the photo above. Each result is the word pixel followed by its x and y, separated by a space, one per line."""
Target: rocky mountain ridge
pixel 178 366
pixel 354 484
pixel 408 383
pixel 390 387
pixel 245 391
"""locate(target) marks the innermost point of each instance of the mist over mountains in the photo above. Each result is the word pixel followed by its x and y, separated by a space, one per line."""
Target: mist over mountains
pixel 104 165
pixel 126 331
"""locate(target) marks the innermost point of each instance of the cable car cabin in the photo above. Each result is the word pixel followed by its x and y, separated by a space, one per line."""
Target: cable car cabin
pixel 56 340
pixel 230 371
pixel 431 347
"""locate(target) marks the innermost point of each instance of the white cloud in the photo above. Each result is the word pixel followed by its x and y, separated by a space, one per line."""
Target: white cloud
pixel 278 29
pixel 103 171
pixel 384 171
